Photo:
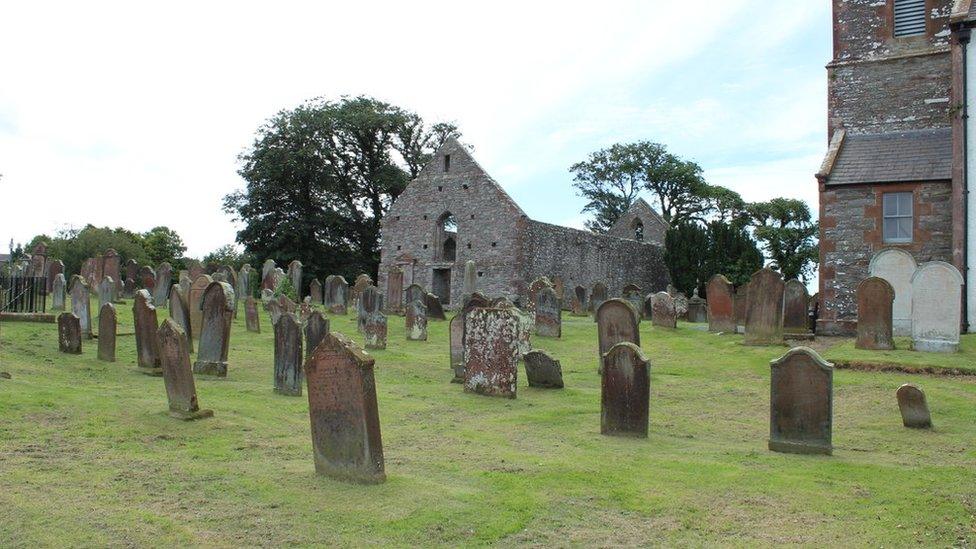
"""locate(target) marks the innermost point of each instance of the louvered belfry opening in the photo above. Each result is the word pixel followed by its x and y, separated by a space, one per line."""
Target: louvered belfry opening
pixel 909 17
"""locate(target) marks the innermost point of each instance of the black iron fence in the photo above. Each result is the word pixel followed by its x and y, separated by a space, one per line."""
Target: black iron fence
pixel 23 294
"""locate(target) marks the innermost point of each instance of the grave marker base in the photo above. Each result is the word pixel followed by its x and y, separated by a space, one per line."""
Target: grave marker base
pixel 218 369
pixel 800 448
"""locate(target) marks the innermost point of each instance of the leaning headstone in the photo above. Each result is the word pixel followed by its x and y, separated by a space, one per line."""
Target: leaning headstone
pixel 664 313
pixel 491 352
pixel 81 304
pixel 57 292
pixel 632 293
pixel 616 323
pixel 625 391
pixel 295 274
pixel 107 327
pixel 69 333
pixel 597 296
pixel 177 376
pixel 764 309
pixel 801 403
pixel 470 281
pixel 194 299
pixel 336 294
pixel 146 323
pixel 218 311
pixel 897 267
pixel 106 291
pixel 435 311
pixel 795 300
pixel 374 330
pixel 394 290
pixel 288 356
pixel 579 301
pixel 875 299
pixel 414 292
pixel 346 441
pixel 315 291
pixel 936 307
pixel 416 321
pixel 179 311
pixel 164 280
pixel 697 308
pixel 721 310
pixel 548 313
pixel 251 320
pixel 914 408
pixel 542 370
pixel 315 329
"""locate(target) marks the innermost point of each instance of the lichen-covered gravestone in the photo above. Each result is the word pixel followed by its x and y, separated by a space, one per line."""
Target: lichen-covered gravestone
pixel 295 274
pixel 57 292
pixel 374 330
pixel 548 313
pixel 936 307
pixel 164 280
pixel 416 321
pixel 875 298
pixel 764 309
pixel 275 310
pixel 146 323
pixel 177 376
pixel 542 370
pixel 346 440
pixel 69 333
pixel 435 311
pixel 801 403
pixel 616 323
pixel 251 320
pixel 664 313
pixel 315 329
pixel 194 299
pixel 315 291
pixel 288 355
pixel 179 311
pixel 81 304
pixel 370 302
pixel 795 302
pixel 336 294
pixel 218 310
pixel 491 352
pixel 625 390
pixel 721 310
pixel 914 408
pixel 107 327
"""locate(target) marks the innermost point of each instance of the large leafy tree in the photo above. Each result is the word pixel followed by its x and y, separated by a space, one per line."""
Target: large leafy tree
pixel 163 244
pixel 610 179
pixel 786 230
pixel 685 253
pixel 73 247
pixel 695 252
pixel 320 177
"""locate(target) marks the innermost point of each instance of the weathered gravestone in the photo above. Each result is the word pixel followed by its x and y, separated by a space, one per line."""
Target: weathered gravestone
pixel 194 299
pixel 875 299
pixel 295 274
pixel 147 278
pixel 579 301
pixel 936 307
pixel 251 320
pixel 54 268
pixel 57 292
pixel 164 281
pixel 597 296
pixel 764 309
pixel 69 333
pixel 175 359
pixel 244 282
pixel 914 408
pixel 287 305
pixel 680 306
pixel 146 326
pixel 288 355
pixel 625 391
pixel 697 308
pixel 616 323
pixel 129 288
pixel 179 311
pixel 548 313
pixel 663 311
pixel 305 309
pixel 106 291
pixel 129 280
pixel 275 310
pixel 107 327
pixel 542 370
pixel 370 302
pixel 336 294
pixel 346 441
pixel 632 293
pixel 414 292
pixel 470 282
pixel 394 290
pixel 81 304
pixel 374 330
pixel 491 352
pixel 88 272
pixel 416 321
pixel 218 310
pixel 897 267
pixel 267 269
pixel 315 291
pixel 721 310
pixel 112 266
pixel 315 329
pixel 195 269
pixel 796 319
pixel 801 403
pixel 475 300
pixel 435 311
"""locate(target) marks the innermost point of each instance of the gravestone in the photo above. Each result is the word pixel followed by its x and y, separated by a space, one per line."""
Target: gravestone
pixel 54 268
pixel 106 291
pixel 179 311
pixel 416 321
pixel 287 305
pixel 796 319
pixel 99 270
pixel 358 286
pixel 632 293
pixel 195 269
pixel 315 329
pixel 914 408
pixel 346 441
pixel 414 292
pixel 305 309
pixel 146 326
pixel 267 295
pixel 267 269
pixel 107 328
pixel 470 281
pixel 374 330
pixel 548 313
pixel 542 370
pixel 251 319
pixel 579 301
pixel 336 294
pixel 218 310
pixel 275 310
pixel 680 306
pixel 194 299
pixel 129 281
pixel 112 266
pixel 616 323
pixel 69 333
pixel 243 289
pixel 288 355
pixel 597 296
pixel 394 290
pixel 764 309
pixel 181 390
pixel 315 291
pixel 936 307
pixel 456 329
pixel 897 267
pixel 535 287
pixel 664 314
pixel 435 311
pixel 229 275
pixel 88 272
pixel 491 352
pixel 801 403
pixel 697 309
pixel 672 290
pixel 875 300
pixel 721 309
pixel 147 278
pixel 164 281
pixel 370 302
pixel 525 329
pixel 295 274
pixel 81 304
pixel 38 261
pixel 129 288
pixel 625 391
pixel 57 292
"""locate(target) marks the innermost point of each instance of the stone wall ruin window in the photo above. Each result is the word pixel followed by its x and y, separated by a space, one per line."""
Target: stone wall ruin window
pixel 445 237
pixel 638 227
pixel 447 163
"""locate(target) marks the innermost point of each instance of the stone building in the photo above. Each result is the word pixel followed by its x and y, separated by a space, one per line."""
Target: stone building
pixel 454 212
pixel 892 177
pixel 642 223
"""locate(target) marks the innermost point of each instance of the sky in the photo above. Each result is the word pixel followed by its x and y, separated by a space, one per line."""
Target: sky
pixel 133 114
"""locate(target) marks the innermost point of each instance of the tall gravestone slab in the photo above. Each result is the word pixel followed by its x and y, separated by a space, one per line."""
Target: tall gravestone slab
pixel 414 292
pixel 38 261
pixel 88 272
pixel 491 352
pixel 374 330
pixel 288 356
pixel 764 309
pixel 146 328
pixel 336 294
pixel 416 320
pixel 295 275
pixel 112 266
pixel 616 323
pixel 218 310
pixel 542 371
pixel 721 311
pixel 548 313
pixel 801 403
pixel 346 440
pixel 914 408
pixel 394 290
pixel 275 310
pixel 81 304
pixel 54 268
pixel 106 291
pixel 179 311
pixel 579 301
pixel 181 390
pixel 435 311
pixel 795 302
pixel 936 307
pixel 315 329
pixel 99 271
pixel 469 285
pixel 57 292
pixel 598 295
pixel 897 267
pixel 875 301
pixel 194 300
pixel 251 320
pixel 244 287
pixel 164 280
pixel 625 391
pixel 315 291
pixel 664 313
pixel 107 327
pixel 69 333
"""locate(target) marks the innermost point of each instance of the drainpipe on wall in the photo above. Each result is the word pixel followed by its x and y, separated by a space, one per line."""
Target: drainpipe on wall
pixel 965 33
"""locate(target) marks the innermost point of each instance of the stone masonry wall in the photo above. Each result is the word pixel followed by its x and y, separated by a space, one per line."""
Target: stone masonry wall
pixel 654 227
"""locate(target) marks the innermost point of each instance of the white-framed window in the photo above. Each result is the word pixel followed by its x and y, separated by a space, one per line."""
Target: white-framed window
pixel 909 17
pixel 898 217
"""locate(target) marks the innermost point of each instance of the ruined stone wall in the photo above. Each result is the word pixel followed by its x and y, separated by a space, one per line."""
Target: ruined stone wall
pixel 654 227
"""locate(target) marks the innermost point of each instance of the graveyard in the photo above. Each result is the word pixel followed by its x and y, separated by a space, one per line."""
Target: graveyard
pixel 90 454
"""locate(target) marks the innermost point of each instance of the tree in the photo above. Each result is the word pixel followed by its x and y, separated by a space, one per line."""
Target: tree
pixel 685 253
pixel 785 228
pixel 320 177
pixel 731 252
pixel 228 254
pixel 163 244
pixel 610 179
pixel 73 247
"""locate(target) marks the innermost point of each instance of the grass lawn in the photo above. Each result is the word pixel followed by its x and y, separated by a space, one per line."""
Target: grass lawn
pixel 88 455
pixel 963 362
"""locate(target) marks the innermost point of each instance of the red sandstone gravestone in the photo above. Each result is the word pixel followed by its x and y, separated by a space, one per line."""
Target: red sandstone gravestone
pixel 625 391
pixel 194 299
pixel 69 333
pixel 315 329
pixel 107 325
pixel 764 309
pixel 491 352
pixel 177 376
pixel 721 311
pixel 218 310
pixel 801 403
pixel 251 319
pixel 914 408
pixel 616 323
pixel 146 326
pixel 875 300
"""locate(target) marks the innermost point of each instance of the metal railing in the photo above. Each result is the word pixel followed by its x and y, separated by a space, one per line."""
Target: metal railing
pixel 23 294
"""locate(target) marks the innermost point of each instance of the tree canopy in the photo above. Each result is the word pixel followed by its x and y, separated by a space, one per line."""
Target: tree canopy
pixel 786 230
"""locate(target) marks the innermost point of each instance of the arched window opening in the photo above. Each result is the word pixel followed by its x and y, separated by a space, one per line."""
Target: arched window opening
pixel 450 249
pixel 638 227
pixel 445 237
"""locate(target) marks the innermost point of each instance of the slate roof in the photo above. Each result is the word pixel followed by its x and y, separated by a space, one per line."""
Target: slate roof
pixel 898 157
